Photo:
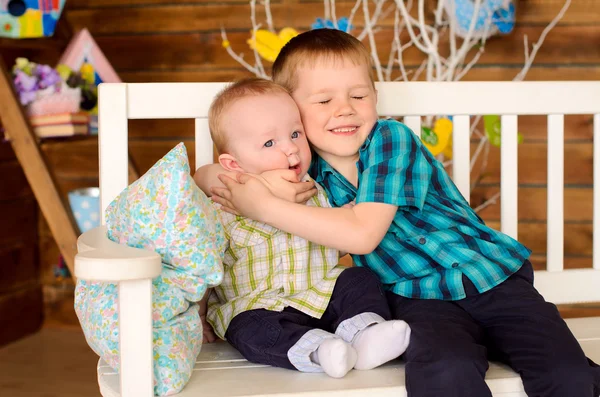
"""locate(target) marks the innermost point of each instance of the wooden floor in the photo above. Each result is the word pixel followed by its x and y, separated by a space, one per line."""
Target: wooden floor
pixel 55 362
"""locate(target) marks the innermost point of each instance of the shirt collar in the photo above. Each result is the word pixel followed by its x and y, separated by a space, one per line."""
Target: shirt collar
pixel 367 142
pixel 319 169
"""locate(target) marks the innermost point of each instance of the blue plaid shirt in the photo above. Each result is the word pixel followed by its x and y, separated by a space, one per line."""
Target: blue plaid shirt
pixel 435 237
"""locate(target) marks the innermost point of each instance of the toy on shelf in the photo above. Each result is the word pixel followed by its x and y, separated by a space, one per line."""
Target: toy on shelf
pixel 84 56
pixel 53 98
pixel 70 88
pixel 42 90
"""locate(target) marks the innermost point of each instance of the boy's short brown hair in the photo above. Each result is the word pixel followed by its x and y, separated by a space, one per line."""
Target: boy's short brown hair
pixel 309 47
pixel 253 86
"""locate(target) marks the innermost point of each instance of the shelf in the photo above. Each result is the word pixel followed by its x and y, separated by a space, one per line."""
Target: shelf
pixel 36 43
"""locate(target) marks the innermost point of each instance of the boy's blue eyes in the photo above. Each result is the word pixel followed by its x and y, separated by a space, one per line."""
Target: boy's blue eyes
pixel 270 143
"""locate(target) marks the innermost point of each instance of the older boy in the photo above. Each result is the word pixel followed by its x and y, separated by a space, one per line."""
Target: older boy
pixel 285 301
pixel 465 289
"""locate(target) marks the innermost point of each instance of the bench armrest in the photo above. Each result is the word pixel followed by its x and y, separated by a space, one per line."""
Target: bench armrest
pixel 100 259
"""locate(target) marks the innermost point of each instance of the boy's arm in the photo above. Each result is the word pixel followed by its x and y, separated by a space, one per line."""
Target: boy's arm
pixel 397 172
pixel 356 230
pixel 206 177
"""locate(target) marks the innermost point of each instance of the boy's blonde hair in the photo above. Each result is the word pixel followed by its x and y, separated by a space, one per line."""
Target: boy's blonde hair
pixel 316 45
pixel 228 96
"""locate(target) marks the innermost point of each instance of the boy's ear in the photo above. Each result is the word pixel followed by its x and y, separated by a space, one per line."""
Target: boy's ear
pixel 229 163
pixel 376 95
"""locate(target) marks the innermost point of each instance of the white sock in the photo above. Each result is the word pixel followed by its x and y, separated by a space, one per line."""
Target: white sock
pixel 377 344
pixel 335 356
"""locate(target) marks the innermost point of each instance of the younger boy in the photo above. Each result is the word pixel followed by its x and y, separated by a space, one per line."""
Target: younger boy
pixel 285 301
pixel 465 289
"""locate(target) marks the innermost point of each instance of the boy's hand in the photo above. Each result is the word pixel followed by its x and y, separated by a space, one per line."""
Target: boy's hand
pixel 247 196
pixel 285 185
pixel 208 334
pixel 350 204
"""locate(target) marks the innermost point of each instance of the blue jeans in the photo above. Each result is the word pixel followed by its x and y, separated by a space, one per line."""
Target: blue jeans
pixel 512 323
pixel 264 336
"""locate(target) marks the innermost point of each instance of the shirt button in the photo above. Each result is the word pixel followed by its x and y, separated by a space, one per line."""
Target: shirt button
pixel 422 240
pixel 455 264
pixel 255 236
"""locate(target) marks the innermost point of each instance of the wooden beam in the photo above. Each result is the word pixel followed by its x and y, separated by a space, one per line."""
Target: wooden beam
pixel 40 178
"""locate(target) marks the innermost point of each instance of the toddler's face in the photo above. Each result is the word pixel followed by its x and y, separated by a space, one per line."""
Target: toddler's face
pixel 337 102
pixel 265 133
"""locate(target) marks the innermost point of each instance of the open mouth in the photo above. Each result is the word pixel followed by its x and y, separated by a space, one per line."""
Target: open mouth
pixel 296 168
pixel 347 130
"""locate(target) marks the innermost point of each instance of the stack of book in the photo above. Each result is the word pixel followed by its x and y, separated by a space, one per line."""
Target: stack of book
pixel 60 125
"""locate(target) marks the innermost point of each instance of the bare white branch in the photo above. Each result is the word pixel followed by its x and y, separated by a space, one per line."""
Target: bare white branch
pixel 536 46
pixel 492 200
pixel 372 44
pixel 255 27
pixel 239 58
pixel 269 16
pixel 352 13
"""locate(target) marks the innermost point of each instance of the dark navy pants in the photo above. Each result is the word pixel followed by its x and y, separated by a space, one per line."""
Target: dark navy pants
pixel 452 341
pixel 264 336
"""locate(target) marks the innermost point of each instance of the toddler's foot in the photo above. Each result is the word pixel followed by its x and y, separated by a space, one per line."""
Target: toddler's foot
pixel 380 343
pixel 335 356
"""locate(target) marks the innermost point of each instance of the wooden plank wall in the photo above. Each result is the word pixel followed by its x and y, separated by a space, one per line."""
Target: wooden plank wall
pixel 20 288
pixel 179 40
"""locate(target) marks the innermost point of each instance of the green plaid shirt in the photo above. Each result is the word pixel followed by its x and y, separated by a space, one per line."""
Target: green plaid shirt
pixel 266 268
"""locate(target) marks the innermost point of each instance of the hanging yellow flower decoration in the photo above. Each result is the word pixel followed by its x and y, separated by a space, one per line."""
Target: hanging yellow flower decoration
pixel 438 138
pixel 268 44
pixel 448 151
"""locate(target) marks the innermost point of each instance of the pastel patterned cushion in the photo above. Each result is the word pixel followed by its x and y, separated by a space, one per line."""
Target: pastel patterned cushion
pixel 166 212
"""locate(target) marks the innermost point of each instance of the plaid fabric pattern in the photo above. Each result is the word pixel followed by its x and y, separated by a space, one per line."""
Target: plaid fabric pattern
pixel 435 237
pixel 266 268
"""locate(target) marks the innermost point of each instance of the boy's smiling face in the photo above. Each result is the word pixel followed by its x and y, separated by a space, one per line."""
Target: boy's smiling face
pixel 337 102
pixel 265 133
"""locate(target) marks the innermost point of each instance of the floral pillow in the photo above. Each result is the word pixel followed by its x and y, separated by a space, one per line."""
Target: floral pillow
pixel 166 212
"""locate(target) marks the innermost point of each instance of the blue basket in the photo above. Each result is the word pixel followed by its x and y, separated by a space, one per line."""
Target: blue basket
pixel 85 205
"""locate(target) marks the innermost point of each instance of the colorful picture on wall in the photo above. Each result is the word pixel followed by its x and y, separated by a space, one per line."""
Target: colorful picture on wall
pixel 20 19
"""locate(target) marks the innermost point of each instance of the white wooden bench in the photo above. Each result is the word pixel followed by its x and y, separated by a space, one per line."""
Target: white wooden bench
pixel 220 370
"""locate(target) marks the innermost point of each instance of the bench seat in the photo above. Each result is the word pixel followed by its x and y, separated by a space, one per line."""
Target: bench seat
pixel 222 372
